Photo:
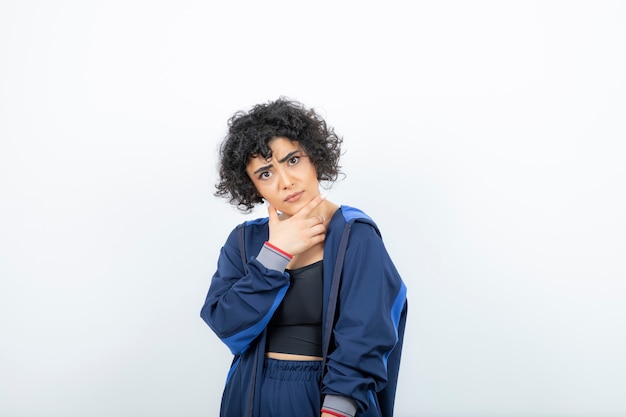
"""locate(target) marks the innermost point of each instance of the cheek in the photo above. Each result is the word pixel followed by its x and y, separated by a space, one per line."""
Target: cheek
pixel 313 174
pixel 259 190
pixel 262 189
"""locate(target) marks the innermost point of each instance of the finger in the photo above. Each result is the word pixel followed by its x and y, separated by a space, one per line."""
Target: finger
pixel 311 205
pixel 320 237
pixel 314 221
pixel 318 229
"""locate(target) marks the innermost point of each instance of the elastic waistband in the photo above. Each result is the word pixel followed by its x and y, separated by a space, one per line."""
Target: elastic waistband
pixel 292 370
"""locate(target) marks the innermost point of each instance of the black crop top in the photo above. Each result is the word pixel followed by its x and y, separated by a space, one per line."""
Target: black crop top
pixel 296 326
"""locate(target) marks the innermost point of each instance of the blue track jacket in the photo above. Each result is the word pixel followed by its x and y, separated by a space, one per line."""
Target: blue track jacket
pixel 367 332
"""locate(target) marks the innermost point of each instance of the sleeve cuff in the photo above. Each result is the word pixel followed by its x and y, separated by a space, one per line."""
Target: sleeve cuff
pixel 339 406
pixel 273 258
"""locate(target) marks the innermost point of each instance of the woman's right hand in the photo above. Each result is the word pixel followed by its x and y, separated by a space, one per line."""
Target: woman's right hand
pixel 300 231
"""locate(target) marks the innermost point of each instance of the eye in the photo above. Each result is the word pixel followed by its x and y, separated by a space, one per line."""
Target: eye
pixel 294 160
pixel 265 175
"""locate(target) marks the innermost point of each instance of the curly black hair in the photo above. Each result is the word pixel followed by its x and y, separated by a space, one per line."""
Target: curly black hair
pixel 249 134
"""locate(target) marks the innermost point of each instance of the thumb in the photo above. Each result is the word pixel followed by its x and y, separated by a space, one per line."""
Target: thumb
pixel 272 213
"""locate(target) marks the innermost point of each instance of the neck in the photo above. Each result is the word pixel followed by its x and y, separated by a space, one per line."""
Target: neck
pixel 327 209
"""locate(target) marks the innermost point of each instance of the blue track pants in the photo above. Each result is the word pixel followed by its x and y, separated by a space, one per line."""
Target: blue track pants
pixel 291 388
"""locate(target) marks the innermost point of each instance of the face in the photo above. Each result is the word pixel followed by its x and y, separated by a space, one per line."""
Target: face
pixel 287 180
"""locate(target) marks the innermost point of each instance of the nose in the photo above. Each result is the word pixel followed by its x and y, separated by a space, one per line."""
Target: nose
pixel 285 179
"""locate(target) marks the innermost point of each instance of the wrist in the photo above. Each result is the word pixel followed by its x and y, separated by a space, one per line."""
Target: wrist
pixel 273 258
pixel 279 250
pixel 339 406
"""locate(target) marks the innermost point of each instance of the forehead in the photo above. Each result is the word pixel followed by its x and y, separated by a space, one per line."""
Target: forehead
pixel 277 149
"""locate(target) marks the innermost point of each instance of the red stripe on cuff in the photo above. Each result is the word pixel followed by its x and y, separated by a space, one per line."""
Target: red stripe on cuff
pixel 290 256
pixel 335 413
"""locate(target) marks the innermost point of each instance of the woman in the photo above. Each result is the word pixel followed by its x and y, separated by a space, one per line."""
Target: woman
pixel 307 299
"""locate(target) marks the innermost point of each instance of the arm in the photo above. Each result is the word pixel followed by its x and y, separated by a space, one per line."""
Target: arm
pixel 239 305
pixel 370 303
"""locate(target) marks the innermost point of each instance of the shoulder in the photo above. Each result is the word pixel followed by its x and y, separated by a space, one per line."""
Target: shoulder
pixel 352 214
pixel 249 228
pixel 360 223
pixel 251 234
pixel 256 224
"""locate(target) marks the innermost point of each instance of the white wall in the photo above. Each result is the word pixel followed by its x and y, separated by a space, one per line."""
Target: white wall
pixel 486 138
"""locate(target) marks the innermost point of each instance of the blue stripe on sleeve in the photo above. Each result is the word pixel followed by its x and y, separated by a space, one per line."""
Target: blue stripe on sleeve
pixel 396 312
pixel 239 342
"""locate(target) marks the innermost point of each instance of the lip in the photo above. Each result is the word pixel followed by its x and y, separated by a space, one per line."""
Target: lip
pixel 292 198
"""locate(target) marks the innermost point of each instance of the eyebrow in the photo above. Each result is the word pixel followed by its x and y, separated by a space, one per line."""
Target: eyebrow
pixel 280 161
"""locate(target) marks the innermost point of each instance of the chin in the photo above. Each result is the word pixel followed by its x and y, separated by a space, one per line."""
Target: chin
pixel 287 213
pixel 290 210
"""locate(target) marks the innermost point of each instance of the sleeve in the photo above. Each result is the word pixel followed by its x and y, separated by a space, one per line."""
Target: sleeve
pixel 371 300
pixel 239 305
